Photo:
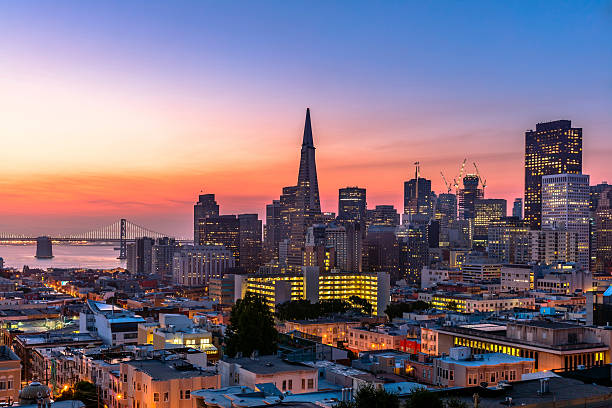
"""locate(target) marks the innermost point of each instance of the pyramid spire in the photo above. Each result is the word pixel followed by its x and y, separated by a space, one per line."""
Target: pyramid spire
pixel 307 140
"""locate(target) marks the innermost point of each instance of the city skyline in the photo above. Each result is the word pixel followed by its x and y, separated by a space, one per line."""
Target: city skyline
pixel 154 142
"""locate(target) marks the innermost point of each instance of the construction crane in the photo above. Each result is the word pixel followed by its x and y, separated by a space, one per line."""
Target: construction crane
pixel 448 186
pixel 456 180
pixel 483 182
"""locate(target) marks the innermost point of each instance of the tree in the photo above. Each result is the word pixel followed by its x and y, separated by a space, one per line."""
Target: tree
pixel 364 305
pixel 370 397
pixel 83 391
pixel 251 328
pixel 420 397
pixel 397 309
pixel 456 403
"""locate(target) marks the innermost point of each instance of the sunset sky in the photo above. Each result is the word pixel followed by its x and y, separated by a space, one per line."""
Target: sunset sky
pixel 130 109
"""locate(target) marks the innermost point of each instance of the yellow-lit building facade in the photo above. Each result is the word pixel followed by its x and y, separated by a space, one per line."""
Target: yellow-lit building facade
pixel 314 286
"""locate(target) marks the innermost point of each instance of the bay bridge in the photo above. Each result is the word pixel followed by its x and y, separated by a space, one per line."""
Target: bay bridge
pixel 121 232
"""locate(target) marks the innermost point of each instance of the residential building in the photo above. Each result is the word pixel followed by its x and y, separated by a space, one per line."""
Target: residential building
pixel 379 338
pixel 228 289
pixel 112 324
pixel 153 382
pixel 10 376
pixel 331 330
pixel 470 303
pixel 163 255
pixel 296 378
pixel 547 247
pixel 462 369
pixel 314 286
pixel 553 345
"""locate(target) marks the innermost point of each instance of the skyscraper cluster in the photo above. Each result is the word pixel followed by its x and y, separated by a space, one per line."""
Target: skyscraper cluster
pixel 560 218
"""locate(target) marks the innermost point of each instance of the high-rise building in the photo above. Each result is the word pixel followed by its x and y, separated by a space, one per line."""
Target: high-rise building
pixel 603 232
pixel 307 204
pixel 446 214
pixel 272 231
pixel 468 196
pixel 517 208
pixel 487 210
pixel 565 206
pixel 595 194
pixel 383 215
pixel 140 256
pixel 380 250
pixel 547 247
pixel 346 239
pixel 163 254
pixel 553 148
pixel 250 241
pixel 508 241
pixel 418 197
pixel 196 265
pixel 221 230
pixel 205 207
pixel 352 204
pixel 413 253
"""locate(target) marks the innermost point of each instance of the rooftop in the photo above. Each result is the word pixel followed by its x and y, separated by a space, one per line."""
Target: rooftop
pixel 268 365
pixel 160 370
pixel 487 359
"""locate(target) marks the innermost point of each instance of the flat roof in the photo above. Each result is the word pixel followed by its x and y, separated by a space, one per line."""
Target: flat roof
pixel 487 359
pixel 165 370
pixel 268 365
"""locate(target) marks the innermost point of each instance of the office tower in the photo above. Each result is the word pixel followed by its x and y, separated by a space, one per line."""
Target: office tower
pixel 595 193
pixel 547 247
pixel 307 204
pixel 565 206
pixel 272 231
pixel 380 250
pixel 461 234
pixel 335 236
pixel 508 241
pixel 517 208
pixel 352 204
pixel 347 240
pixel 163 254
pixel 553 148
pixel 205 207
pixel 221 230
pixel 603 232
pixel 418 197
pixel 446 214
pixel 485 211
pixel 383 215
pixel 195 265
pixel 250 241
pixel 468 196
pixel 140 256
pixel 413 254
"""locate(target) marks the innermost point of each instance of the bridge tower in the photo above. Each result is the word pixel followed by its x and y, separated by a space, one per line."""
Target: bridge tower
pixel 123 240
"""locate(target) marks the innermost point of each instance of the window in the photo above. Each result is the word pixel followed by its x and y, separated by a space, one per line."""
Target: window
pixel 310 383
pixel 181 394
pixel 165 397
pixel 452 375
pixel 512 375
pixel 187 394
pixel 303 383
pixel 290 386
pixel 2 385
pixel 284 385
pixel 9 384
pixel 156 396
